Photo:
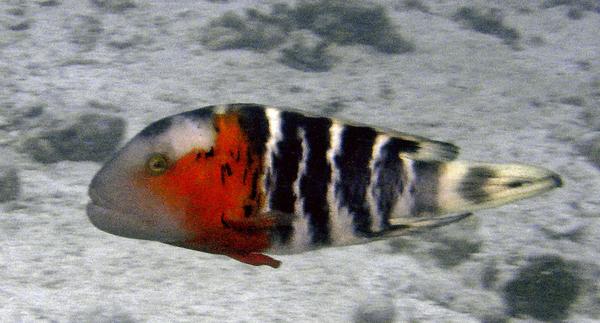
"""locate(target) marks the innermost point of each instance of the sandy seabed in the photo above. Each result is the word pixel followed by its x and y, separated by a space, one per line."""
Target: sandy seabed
pixel 535 100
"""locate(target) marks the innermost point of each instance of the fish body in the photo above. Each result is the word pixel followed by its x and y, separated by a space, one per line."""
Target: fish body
pixel 243 180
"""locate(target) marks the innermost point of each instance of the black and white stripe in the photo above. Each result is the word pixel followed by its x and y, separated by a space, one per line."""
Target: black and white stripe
pixel 388 179
pixel 298 177
pixel 284 166
pixel 355 174
pixel 341 181
pixel 315 180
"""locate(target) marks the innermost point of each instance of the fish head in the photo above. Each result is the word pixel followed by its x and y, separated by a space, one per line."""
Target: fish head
pixel 142 191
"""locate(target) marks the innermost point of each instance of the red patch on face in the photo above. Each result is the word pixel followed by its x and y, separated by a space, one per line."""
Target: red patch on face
pixel 208 186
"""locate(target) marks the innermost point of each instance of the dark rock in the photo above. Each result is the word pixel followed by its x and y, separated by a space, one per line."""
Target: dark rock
pixel 306 53
pixel 451 252
pixel 85 31
pixel 351 22
pixel 487 23
pixel 121 38
pixel 587 5
pixel 103 106
pixel 19 25
pixel 25 117
pixel 114 6
pixel 573 100
pixel 103 314
pixel 342 22
pixel 415 5
pixel 91 137
pixel 575 13
pixel 375 312
pixel 48 3
pixel 16 11
pixel 489 275
pixel 543 289
pixel 231 31
pixel 494 318
pixel 10 185
pixel 591 149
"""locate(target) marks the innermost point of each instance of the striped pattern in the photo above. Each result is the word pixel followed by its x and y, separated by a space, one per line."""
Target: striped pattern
pixel 343 182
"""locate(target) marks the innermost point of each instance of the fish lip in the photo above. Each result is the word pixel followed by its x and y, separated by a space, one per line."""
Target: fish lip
pixel 99 209
pixel 98 215
pixel 102 215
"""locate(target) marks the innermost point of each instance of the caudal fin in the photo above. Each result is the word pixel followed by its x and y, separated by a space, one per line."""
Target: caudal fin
pixel 464 187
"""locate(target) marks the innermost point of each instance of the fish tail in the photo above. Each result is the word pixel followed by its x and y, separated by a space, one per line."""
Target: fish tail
pixel 459 186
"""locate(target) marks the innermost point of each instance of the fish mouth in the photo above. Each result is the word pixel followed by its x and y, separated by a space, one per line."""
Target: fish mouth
pixel 134 224
pixel 113 221
pixel 107 218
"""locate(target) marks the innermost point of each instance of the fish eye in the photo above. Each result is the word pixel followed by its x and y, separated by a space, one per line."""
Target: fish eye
pixel 157 164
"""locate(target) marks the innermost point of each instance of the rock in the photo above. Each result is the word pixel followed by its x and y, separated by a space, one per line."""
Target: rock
pixel 103 106
pixel 92 137
pixel 489 275
pixel 589 147
pixel 48 3
pixel 114 6
pixel 351 22
pixel 375 311
pixel 487 23
pixel 588 5
pixel 592 116
pixel 103 314
pixel 342 22
pixel 120 38
pixel 10 185
pixel 573 100
pixel 451 252
pixel 454 244
pixel 25 117
pixel 307 53
pixel 232 31
pixel 543 289
pixel 85 31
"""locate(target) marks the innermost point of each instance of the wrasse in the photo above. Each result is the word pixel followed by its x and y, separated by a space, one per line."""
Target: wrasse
pixel 243 180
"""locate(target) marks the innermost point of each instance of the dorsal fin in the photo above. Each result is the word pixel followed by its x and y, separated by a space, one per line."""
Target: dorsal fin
pixel 431 150
pixel 421 148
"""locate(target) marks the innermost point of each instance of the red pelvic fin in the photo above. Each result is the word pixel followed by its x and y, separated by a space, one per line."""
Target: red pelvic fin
pixel 255 259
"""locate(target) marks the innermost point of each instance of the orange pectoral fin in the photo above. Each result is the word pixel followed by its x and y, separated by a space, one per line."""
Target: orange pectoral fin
pixel 255 259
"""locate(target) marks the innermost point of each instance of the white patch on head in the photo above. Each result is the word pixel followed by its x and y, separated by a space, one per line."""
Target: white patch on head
pixel 186 134
pixel 340 221
pixel 274 119
pixel 376 219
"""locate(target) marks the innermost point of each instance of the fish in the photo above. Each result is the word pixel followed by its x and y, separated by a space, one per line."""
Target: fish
pixel 248 181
